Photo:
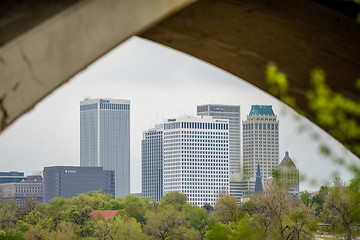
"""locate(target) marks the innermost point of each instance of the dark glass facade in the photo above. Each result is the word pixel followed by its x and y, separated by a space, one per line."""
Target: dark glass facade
pixel 152 164
pixel 68 181
pixel 10 177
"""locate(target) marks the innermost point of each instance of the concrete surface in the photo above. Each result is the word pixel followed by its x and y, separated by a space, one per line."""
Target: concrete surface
pixel 43 43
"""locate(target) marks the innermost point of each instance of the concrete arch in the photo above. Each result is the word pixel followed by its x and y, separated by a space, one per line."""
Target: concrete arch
pixel 241 37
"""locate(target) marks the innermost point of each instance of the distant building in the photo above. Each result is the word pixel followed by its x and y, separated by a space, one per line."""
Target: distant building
pixel 106 214
pixel 247 187
pixel 258 182
pixel 152 163
pixel 32 187
pixel 69 181
pixel 137 194
pixel 288 175
pixel 261 142
pixel 9 177
pixel 231 113
pixel 105 138
pixel 196 158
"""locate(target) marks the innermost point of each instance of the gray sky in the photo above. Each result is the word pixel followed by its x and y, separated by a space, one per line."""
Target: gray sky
pixel 161 83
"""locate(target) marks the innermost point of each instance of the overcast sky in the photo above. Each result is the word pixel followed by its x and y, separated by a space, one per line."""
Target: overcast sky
pixel 160 83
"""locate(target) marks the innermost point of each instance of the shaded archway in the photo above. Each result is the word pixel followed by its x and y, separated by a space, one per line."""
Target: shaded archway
pixel 238 36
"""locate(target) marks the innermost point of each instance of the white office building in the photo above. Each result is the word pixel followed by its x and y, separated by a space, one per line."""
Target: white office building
pixel 232 113
pixel 196 158
pixel 152 163
pixel 105 138
pixel 260 142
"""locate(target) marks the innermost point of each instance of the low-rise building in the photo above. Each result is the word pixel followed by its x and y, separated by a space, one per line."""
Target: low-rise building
pixel 288 175
pixel 69 181
pixel 9 177
pixel 32 187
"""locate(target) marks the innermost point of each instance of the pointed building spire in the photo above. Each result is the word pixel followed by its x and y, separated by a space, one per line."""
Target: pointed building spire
pixel 258 183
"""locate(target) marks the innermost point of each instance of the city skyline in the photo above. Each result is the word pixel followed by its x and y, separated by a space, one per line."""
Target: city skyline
pixel 160 83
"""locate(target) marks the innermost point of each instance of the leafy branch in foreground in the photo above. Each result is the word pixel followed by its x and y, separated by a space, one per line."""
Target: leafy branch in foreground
pixel 337 114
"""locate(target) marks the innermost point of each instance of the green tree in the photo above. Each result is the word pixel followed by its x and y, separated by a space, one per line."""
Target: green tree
pixel 95 200
pixel 354 192
pixel 273 215
pixel 191 234
pixel 11 236
pixel 164 222
pixel 65 231
pixel 37 216
pixel 198 219
pixel 302 223
pixel 102 228
pixel 80 215
pixel 318 199
pixel 226 209
pixel 341 208
pixel 305 197
pixel 115 204
pixel 8 218
pixel 261 218
pixel 243 230
pixel 337 114
pixel 135 207
pixel 208 207
pixel 126 228
pixel 218 231
pixel 36 233
pixel 174 198
pixel 28 206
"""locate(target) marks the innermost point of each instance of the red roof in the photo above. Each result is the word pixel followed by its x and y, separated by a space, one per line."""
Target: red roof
pixel 108 214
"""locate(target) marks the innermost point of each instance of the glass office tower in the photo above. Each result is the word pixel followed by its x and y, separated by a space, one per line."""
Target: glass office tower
pixel 105 138
pixel 152 163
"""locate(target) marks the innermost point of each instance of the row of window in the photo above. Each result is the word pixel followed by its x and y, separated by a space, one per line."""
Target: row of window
pixel 190 157
pixel 154 134
pixel 176 134
pixel 196 125
pixel 114 106
pixel 88 107
pixel 260 126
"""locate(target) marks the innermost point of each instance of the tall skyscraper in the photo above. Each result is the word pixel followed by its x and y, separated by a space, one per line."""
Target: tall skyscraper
pixel 196 158
pixel 232 113
pixel 152 163
pixel 105 138
pixel 260 141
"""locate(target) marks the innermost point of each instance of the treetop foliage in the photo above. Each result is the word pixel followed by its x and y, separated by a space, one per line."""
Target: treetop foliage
pixel 269 215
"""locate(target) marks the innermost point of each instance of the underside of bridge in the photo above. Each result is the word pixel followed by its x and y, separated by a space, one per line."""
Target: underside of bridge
pixel 44 43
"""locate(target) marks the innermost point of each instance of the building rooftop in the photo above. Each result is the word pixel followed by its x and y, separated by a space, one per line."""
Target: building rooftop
pixel 261 110
pixel 287 161
pixel 107 214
